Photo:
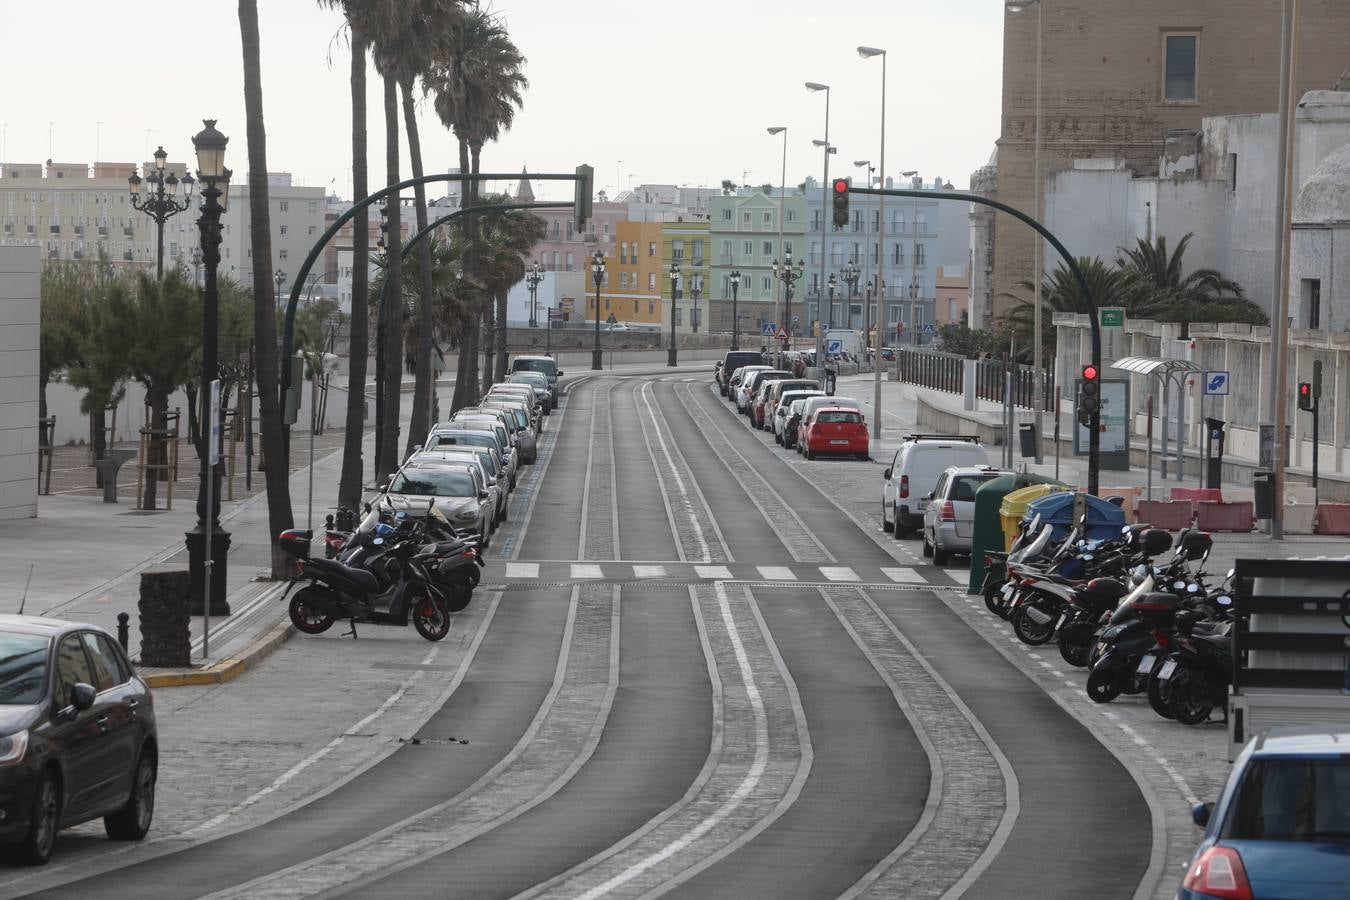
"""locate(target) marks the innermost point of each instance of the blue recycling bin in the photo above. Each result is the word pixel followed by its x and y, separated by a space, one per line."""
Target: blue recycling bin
pixel 1104 519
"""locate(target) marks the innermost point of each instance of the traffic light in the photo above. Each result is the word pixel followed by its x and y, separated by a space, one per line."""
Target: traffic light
pixel 1089 395
pixel 581 199
pixel 1305 396
pixel 840 189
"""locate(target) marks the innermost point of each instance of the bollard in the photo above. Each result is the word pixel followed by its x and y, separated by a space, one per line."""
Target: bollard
pixel 123 629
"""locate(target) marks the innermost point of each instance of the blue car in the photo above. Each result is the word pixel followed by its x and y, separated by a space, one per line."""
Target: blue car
pixel 1281 827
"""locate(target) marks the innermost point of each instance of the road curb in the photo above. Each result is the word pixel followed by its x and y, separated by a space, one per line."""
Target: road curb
pixel 228 669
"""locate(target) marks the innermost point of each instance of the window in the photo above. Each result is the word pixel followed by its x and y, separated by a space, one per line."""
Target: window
pixel 651 306
pixel 556 226
pixel 746 218
pixel 72 668
pixel 897 221
pixel 1312 302
pixel 284 206
pixel 570 229
pixel 1232 172
pixel 853 257
pixel 748 249
pixel 768 249
pixel 623 252
pixel 677 250
pixel 815 220
pixel 698 253
pixel 920 223
pixel 570 262
pixel 623 281
pixel 768 218
pixel 726 214
pixel 876 250
pixel 898 256
pixel 857 220
pixel 1179 57
pixel 284 229
pixel 876 220
pixel 651 281
pixel 635 312
pixel 726 251
pixel 792 215
pixel 282 253
pixel 313 229
pixel 651 249
pixel 918 254
pixel 951 313
pixel 108 670
pixel 313 207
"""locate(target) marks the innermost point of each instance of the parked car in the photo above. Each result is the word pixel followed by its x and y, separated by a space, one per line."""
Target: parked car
pixel 472 418
pixel 520 409
pixel 526 394
pixel 759 407
pixel 461 433
pixel 750 388
pixel 774 395
pixel 471 456
pixel 815 404
pixel 736 380
pixel 522 437
pixel 543 392
pixel 749 376
pixel 949 520
pixel 77 736
pixel 835 430
pixel 914 471
pixel 792 424
pixel 545 366
pixel 731 364
pixel 457 491
pixel 1281 826
pixel 781 410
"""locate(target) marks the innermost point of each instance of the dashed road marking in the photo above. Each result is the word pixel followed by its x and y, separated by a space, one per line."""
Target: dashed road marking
pixel 717 573
pixel 776 573
pixel 904 575
pixel 587 570
pixel 649 571
pixel 839 573
pixel 522 570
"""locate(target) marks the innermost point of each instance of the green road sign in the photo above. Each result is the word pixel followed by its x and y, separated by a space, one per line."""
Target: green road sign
pixel 1113 317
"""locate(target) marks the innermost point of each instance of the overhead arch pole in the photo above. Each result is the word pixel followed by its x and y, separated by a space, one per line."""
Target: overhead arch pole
pixel 384 294
pixel 1095 430
pixel 288 331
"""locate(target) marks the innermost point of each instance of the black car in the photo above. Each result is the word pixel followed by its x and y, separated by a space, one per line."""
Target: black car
pixel 733 361
pixel 77 736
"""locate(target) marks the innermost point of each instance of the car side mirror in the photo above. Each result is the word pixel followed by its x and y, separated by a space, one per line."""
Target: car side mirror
pixel 82 696
pixel 931 495
pixel 1201 812
pixel 482 495
pixel 383 486
pixel 887 473
pixel 560 373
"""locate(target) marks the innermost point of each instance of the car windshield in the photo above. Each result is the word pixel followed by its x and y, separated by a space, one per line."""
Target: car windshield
pixel 434 482
pixel 850 417
pixel 543 366
pixel 1293 799
pixel 966 486
pixel 23 667
pixel 478 438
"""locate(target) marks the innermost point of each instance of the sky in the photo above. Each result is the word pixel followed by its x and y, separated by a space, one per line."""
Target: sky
pixel 644 92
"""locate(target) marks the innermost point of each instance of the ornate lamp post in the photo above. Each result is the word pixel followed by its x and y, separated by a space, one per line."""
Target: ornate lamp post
pixel 695 288
pixel 913 309
pixel 210 145
pixel 851 274
pixel 532 278
pixel 831 285
pixel 671 352
pixel 598 274
pixel 735 313
pixel 788 273
pixel 161 201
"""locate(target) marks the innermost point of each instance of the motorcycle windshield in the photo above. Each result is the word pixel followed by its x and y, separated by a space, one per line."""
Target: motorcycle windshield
pixel 368 523
pixel 1035 548
pixel 1144 587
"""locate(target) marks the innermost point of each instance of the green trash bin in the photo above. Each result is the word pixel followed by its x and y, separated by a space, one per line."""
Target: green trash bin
pixel 988 532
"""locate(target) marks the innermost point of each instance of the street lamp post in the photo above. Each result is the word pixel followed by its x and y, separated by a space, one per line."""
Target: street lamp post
pixel 782 214
pixel 532 279
pixel 280 278
pixel 598 274
pixel 788 274
pixel 868 53
pixel 208 575
pixel 1016 6
pixel 831 285
pixel 735 312
pixel 672 352
pixel 814 87
pixel 161 201
pixel 695 288
pixel 851 274
pixel 914 309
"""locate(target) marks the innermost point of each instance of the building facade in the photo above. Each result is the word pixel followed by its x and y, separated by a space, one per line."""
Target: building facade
pixel 631 290
pixel 1118 78
pixel 296 219
pixel 686 241
pixel 744 237
pixel 953 296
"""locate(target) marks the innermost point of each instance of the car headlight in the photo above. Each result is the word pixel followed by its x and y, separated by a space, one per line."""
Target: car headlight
pixel 13 747
pixel 465 515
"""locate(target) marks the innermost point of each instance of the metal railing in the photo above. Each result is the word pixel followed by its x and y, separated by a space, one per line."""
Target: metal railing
pixel 947 372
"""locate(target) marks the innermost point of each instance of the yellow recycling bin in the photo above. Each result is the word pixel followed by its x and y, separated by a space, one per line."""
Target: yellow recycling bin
pixel 1015 505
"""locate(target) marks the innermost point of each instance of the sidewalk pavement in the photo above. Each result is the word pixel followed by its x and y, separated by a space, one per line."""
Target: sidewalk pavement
pixel 899 408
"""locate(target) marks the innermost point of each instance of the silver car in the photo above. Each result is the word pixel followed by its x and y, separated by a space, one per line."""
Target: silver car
pixel 522 436
pixel 527 436
pixel 474 456
pixel 539 384
pixel 457 491
pixel 471 418
pixel 949 520
pixel 465 432
pixel 526 395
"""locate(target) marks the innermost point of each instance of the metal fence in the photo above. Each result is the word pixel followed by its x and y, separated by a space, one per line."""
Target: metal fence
pixel 947 372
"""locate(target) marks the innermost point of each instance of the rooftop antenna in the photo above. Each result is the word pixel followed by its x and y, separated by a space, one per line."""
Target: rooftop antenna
pixel 25 588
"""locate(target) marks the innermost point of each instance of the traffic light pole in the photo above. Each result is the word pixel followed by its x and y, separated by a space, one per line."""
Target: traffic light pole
pixel 1095 430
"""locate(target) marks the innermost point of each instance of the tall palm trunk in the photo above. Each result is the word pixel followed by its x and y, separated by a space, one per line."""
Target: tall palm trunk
pixel 391 313
pixel 423 383
pixel 501 335
pixel 489 341
pixel 466 370
pixel 349 487
pixel 279 515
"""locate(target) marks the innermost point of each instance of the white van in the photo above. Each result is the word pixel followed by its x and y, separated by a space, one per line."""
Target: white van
pixel 914 473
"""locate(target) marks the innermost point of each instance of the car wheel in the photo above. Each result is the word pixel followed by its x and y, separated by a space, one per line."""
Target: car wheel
pixel 809 454
pixel 886 525
pixel 940 557
pixel 132 822
pixel 36 846
pixel 927 547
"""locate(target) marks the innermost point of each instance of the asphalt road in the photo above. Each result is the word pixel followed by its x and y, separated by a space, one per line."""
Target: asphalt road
pixel 701 679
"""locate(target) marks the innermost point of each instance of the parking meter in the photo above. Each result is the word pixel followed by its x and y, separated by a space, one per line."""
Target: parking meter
pixel 1214 437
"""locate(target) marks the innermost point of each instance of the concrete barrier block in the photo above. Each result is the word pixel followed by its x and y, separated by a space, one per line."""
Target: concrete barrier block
pixel 1333 518
pixel 1299 518
pixel 1212 516
pixel 1172 515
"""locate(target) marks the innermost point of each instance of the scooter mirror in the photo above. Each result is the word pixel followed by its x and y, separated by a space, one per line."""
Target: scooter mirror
pixel 1225 600
pixel 1178 585
pixel 1231 573
pixel 378 542
pixel 1192 588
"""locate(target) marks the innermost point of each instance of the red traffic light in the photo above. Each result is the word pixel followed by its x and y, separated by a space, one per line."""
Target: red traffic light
pixel 1304 389
pixel 841 185
pixel 1090 373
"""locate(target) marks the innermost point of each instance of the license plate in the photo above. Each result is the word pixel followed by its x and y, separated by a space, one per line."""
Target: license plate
pixel 1145 665
pixel 1007 590
pixel 839 442
pixel 921 505
pixel 1166 671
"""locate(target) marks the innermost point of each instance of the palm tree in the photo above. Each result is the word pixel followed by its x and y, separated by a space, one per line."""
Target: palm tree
pixel 1205 295
pixel 476 92
pixel 274 448
pixel 1060 293
pixel 358 14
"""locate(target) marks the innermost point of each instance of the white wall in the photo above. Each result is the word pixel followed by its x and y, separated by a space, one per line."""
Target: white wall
pixel 20 324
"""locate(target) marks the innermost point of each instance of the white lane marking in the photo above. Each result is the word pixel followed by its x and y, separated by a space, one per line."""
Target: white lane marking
pixel 776 573
pixel 903 575
pixel 518 539
pixel 586 484
pixel 522 570
pixel 685 499
pixel 743 790
pixel 956 575
pixel 839 573
pixel 649 571
pixel 323 751
pixel 586 570
pixel 713 572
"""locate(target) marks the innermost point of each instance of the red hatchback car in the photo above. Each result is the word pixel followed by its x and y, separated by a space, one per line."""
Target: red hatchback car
pixel 835 430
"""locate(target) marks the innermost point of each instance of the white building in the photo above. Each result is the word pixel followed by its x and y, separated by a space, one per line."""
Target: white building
pixel 296 218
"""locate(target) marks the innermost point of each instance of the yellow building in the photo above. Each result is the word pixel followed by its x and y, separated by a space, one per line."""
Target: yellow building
pixel 686 240
pixel 631 291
